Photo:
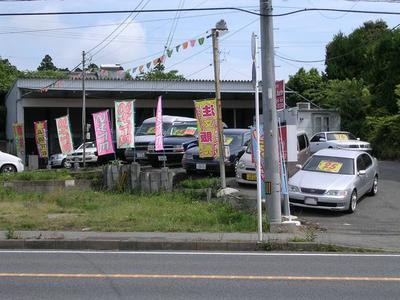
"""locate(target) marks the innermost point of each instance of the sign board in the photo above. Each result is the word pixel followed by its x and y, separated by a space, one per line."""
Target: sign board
pixel 103 133
pixel 125 124
pixel 280 94
pixel 41 138
pixel 64 135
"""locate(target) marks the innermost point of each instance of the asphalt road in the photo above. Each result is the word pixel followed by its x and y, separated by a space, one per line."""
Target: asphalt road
pixel 377 215
pixel 185 275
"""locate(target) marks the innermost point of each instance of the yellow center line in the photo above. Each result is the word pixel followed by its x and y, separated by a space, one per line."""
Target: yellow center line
pixel 220 277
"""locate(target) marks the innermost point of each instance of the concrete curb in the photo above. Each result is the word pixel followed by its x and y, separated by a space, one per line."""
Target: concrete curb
pixel 125 245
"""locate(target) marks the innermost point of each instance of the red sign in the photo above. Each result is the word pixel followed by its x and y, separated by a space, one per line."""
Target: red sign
pixel 280 94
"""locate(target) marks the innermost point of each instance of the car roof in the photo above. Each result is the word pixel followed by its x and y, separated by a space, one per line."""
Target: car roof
pixel 339 153
pixel 338 131
pixel 170 119
pixel 236 130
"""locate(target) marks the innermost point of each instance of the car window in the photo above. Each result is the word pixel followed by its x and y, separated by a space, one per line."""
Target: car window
pixel 360 163
pixel 183 129
pixel 330 164
pixel 340 136
pixel 233 140
pixel 301 143
pixel 316 137
pixel 367 160
pixel 306 139
pixel 149 129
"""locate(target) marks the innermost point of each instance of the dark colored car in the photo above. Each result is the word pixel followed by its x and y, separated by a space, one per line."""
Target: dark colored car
pixel 180 137
pixel 236 140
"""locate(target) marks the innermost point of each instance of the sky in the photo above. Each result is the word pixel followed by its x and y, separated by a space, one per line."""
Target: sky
pixel 25 40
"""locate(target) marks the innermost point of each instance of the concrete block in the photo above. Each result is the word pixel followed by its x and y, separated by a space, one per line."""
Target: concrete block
pixel 135 175
pixel 145 182
pixel 155 182
pixel 283 228
pixel 70 183
pixel 33 162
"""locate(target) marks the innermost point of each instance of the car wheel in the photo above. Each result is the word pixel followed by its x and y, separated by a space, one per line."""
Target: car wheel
pixel 353 202
pixel 374 188
pixel 65 164
pixel 8 169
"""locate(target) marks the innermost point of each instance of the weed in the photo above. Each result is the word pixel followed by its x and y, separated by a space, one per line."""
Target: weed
pixel 11 234
pixel 200 183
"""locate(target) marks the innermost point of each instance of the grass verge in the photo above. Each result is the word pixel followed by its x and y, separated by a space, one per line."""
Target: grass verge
pixel 75 210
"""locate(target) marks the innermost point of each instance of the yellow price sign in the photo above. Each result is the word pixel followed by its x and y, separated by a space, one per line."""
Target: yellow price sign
pixel 329 166
pixel 151 130
pixel 341 136
pixel 228 140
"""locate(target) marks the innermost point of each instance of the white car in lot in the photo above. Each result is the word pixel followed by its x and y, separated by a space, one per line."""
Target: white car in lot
pixel 10 163
pixel 77 155
pixel 337 140
pixel 334 179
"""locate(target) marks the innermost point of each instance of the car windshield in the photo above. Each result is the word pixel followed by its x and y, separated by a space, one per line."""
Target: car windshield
pixel 233 140
pixel 88 145
pixel 340 136
pixel 188 129
pixel 330 164
pixel 149 129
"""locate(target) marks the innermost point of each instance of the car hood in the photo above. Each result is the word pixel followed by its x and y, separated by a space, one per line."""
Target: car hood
pixel 319 180
pixel 144 138
pixel 178 140
pixel 9 157
pixel 350 142
pixel 233 150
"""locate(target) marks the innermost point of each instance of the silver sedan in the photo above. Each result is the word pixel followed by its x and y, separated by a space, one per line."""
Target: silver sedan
pixel 334 180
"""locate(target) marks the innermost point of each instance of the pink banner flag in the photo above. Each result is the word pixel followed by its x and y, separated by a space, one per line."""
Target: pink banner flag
pixel 64 135
pixel 159 143
pixel 103 133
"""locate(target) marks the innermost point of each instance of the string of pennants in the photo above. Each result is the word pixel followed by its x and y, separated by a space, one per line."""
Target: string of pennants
pixel 140 69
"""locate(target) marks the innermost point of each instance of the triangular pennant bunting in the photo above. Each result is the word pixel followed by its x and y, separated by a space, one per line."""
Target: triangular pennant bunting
pixel 162 58
pixel 185 45
pixel 134 70
pixel 156 61
pixel 148 65
pixel 192 43
pixel 169 52
pixel 177 48
pixel 201 40
pixel 141 69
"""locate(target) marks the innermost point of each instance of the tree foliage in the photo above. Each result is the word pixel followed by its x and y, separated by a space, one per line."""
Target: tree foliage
pixel 8 74
pixel 158 73
pixel 47 64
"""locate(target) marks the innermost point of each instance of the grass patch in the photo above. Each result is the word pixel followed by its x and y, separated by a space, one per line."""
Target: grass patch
pixel 37 175
pixel 102 211
pixel 201 183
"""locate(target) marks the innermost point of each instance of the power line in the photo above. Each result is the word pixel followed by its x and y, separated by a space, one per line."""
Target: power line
pixel 94 12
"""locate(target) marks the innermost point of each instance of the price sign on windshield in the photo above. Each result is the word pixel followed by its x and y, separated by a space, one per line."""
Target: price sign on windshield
pixel 341 137
pixel 329 166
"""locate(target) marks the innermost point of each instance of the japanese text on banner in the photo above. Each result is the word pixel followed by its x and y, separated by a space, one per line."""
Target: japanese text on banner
pixel 125 124
pixel 19 137
pixel 103 133
pixel 41 138
pixel 207 123
pixel 159 142
pixel 64 135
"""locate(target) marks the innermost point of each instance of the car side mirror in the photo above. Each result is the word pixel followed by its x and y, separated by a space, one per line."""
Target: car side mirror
pixel 362 172
pixel 322 140
pixel 298 166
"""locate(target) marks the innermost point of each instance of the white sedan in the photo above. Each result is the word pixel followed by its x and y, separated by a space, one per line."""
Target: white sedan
pixel 10 163
pixel 337 140
pixel 334 180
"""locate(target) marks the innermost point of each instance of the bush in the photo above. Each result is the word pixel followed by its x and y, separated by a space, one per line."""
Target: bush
pixel 384 133
pixel 200 183
pixel 37 175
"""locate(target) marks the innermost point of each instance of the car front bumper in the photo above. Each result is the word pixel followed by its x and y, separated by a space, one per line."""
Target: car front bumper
pixel 79 159
pixel 170 158
pixel 335 203
pixel 56 162
pixel 246 175
pixel 205 165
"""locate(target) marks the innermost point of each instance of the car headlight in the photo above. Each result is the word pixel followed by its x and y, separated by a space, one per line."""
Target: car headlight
pixel 241 165
pixel 336 193
pixel 293 189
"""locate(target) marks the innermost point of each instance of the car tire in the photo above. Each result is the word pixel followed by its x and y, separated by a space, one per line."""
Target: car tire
pixel 8 168
pixel 64 163
pixel 374 189
pixel 353 202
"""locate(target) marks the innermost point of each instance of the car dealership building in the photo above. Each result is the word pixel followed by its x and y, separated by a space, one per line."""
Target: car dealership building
pixel 32 100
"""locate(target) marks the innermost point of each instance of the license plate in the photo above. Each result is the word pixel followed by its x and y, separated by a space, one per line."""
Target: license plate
pixel 251 177
pixel 310 201
pixel 201 166
pixel 162 158
pixel 140 155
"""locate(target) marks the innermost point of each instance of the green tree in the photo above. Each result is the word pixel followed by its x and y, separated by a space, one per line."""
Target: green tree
pixel 8 74
pixel 309 84
pixel 158 73
pixel 47 64
pixel 350 56
pixel 352 98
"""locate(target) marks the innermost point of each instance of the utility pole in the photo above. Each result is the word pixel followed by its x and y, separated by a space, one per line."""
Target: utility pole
pixel 220 26
pixel 271 155
pixel 83 111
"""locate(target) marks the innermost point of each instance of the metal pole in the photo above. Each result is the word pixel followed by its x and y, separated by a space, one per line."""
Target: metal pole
pixel 83 111
pixel 272 178
pixel 258 155
pixel 219 111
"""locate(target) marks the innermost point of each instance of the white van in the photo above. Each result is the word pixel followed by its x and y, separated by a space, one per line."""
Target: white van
pixel 146 134
pixel 246 168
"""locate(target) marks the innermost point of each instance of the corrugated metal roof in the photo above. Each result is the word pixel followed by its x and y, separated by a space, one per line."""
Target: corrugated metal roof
pixel 229 86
